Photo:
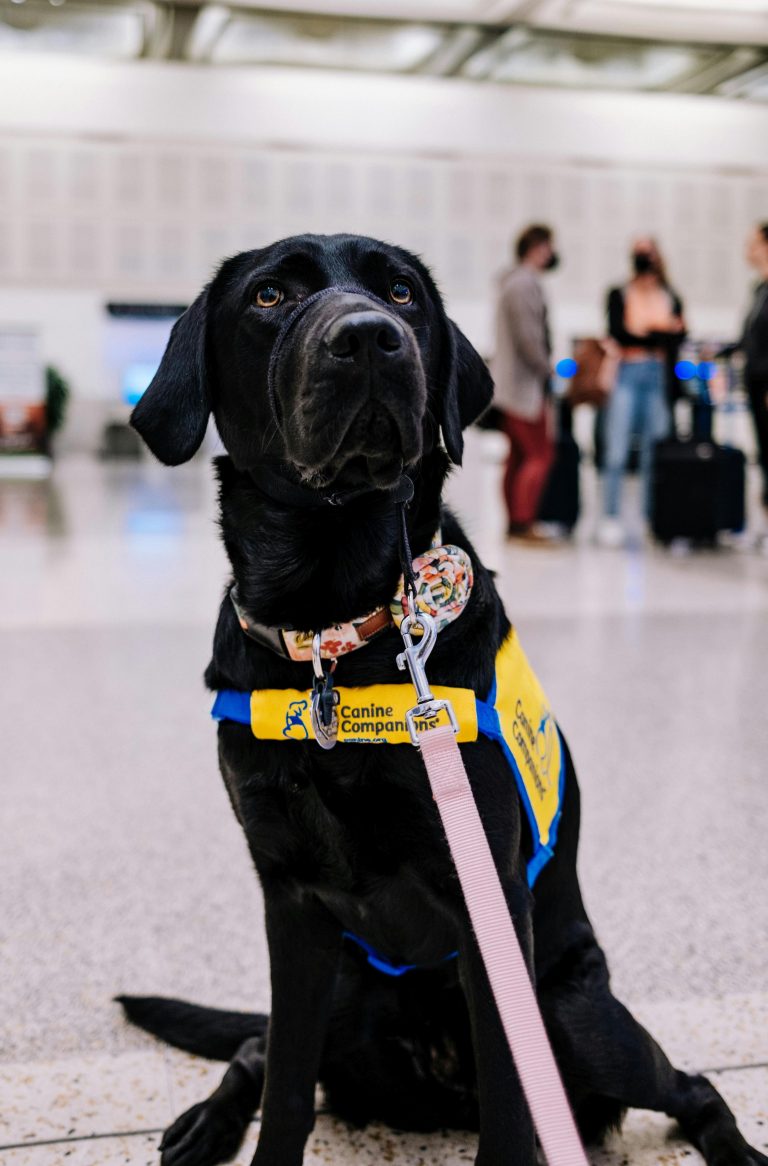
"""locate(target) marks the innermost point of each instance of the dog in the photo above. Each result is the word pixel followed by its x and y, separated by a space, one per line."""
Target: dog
pixel 337 382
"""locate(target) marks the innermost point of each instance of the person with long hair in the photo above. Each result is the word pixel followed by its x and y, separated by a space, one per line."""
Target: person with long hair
pixel 645 318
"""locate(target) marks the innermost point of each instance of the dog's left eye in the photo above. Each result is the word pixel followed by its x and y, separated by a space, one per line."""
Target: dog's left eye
pixel 269 296
pixel 400 292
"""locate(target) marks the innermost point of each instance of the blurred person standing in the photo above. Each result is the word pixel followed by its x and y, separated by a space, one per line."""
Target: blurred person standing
pixel 645 317
pixel 522 368
pixel 754 345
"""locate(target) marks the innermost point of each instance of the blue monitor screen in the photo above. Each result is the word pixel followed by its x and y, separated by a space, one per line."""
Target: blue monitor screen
pixel 136 378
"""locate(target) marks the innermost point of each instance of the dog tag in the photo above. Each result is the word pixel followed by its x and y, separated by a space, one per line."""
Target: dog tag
pixel 325 722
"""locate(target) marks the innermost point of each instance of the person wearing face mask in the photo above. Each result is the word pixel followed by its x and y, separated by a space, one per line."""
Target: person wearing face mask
pixel 522 368
pixel 645 318
pixel 754 345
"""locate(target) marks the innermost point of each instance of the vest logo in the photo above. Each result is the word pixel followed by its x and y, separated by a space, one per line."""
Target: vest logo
pixel 545 745
pixel 537 745
pixel 295 729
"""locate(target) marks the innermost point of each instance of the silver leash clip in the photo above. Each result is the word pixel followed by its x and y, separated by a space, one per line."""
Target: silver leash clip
pixel 426 712
pixel 322 713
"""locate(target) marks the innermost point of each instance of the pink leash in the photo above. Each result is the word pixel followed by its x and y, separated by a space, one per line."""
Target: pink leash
pixel 496 936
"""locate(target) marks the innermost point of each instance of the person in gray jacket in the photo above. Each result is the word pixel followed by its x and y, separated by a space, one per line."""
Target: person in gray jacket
pixel 522 368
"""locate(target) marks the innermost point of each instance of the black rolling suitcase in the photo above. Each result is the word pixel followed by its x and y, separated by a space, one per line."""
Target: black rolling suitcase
pixel 560 501
pixel 733 507
pixel 697 490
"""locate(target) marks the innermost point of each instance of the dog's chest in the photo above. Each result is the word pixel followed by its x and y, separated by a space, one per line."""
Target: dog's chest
pixel 370 849
pixel 343 822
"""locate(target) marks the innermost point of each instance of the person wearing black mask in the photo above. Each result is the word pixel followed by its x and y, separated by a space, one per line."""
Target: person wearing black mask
pixel 645 317
pixel 754 345
pixel 522 368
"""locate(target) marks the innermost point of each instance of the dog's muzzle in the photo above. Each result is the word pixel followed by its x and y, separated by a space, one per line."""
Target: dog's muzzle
pixel 345 384
pixel 339 342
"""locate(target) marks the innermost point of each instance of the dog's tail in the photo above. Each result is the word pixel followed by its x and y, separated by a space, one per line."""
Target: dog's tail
pixel 207 1032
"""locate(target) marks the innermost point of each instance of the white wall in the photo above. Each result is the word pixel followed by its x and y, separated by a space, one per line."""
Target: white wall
pixel 131 181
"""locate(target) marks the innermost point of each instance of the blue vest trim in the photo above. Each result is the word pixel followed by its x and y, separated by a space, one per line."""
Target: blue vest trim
pixel 230 705
pixel 377 961
pixel 488 724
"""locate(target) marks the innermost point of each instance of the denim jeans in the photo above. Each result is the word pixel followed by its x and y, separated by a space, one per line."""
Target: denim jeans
pixel 638 406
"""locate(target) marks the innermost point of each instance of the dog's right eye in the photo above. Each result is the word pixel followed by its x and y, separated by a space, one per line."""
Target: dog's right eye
pixel 400 292
pixel 268 296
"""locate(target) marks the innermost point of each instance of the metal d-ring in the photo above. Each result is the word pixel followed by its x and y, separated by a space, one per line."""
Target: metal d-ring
pixel 325 722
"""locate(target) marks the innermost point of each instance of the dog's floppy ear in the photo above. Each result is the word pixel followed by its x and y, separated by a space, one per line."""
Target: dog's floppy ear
pixel 172 415
pixel 467 391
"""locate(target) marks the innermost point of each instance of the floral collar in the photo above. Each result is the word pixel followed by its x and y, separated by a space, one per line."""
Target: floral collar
pixel 444 579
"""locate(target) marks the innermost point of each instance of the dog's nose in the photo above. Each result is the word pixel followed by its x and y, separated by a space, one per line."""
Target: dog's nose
pixel 361 334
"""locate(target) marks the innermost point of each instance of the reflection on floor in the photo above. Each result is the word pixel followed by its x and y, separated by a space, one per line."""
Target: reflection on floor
pixel 111 576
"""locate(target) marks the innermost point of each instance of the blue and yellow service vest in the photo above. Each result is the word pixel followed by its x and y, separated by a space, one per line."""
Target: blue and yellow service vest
pixel 516 713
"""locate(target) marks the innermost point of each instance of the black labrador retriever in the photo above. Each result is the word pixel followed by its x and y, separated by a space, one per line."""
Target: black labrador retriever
pixel 333 372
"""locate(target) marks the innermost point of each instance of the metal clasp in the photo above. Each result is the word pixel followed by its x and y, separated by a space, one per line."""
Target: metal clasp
pixel 325 722
pixel 426 711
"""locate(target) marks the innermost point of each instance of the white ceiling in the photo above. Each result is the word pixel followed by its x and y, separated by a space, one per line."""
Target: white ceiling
pixel 693 46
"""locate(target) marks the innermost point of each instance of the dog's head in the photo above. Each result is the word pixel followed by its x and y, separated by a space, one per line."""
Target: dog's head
pixel 332 354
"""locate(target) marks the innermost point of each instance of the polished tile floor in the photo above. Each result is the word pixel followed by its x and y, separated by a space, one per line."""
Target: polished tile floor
pixel 111 880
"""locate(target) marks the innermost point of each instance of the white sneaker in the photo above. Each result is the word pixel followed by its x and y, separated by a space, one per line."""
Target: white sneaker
pixel 610 534
pixel 759 532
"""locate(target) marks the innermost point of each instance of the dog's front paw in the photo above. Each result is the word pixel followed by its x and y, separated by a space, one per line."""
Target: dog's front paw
pixel 208 1133
pixel 743 1155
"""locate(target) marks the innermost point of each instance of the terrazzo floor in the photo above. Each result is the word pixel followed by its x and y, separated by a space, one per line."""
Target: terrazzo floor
pixel 122 868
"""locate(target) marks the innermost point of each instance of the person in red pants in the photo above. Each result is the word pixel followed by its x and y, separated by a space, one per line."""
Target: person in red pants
pixel 521 372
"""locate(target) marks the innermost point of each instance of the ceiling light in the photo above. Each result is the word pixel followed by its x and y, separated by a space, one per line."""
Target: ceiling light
pixel 90 32
pixel 211 21
pixel 727 7
pixel 325 42
pixel 527 58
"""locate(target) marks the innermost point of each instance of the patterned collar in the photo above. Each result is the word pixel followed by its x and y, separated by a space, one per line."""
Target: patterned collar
pixel 444 579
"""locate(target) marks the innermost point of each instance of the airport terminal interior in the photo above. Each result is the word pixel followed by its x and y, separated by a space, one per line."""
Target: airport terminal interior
pixel 141 143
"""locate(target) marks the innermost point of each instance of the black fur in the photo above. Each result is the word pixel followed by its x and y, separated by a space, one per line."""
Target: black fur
pixel 173 416
pixel 207 1032
pixel 350 839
